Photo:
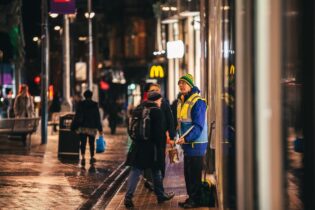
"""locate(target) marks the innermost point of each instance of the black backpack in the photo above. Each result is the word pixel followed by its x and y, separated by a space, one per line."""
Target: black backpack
pixel 139 124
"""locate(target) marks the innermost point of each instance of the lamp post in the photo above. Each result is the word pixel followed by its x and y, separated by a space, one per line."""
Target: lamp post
pixel 66 105
pixel 90 40
pixel 44 73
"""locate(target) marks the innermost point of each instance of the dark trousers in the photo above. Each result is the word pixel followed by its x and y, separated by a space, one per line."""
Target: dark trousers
pixel 83 138
pixel 133 180
pixel 193 175
pixel 147 174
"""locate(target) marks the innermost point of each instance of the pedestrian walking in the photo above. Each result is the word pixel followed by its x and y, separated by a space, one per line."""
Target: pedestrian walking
pixel 54 107
pixel 8 104
pixel 144 154
pixel 87 123
pixel 24 103
pixel 113 117
pixel 191 116
pixel 168 122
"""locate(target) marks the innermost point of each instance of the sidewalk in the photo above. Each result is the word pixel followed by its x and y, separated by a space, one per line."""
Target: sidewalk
pixel 37 179
pixel 144 199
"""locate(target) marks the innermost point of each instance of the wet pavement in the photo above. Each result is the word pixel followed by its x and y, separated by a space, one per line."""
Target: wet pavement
pixel 146 200
pixel 37 179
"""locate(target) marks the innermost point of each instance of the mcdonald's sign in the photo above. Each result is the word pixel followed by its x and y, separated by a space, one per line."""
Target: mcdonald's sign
pixel 232 69
pixel 157 71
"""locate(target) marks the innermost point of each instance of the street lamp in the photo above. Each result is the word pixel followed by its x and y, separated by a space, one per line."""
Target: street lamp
pixel 53 15
pixel 82 38
pixel 89 15
pixel 35 39
pixel 57 28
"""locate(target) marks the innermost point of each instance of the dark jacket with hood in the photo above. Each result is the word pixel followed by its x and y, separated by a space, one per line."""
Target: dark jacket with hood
pixel 150 154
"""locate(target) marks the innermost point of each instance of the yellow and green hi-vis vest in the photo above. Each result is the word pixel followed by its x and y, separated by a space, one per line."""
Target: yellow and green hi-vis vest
pixel 184 119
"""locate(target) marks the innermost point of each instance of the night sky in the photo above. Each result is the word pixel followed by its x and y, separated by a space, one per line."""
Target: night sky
pixel 31 13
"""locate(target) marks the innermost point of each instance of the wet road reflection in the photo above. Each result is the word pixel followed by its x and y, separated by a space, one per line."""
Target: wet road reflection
pixel 37 179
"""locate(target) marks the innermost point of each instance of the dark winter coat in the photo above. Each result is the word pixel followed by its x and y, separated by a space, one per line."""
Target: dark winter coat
pixel 169 120
pixel 150 154
pixel 87 115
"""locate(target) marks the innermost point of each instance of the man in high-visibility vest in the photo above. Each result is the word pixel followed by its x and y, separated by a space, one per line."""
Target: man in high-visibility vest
pixel 191 116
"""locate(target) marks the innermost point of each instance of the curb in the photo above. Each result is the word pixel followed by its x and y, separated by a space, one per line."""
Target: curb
pixel 102 195
pixel 113 189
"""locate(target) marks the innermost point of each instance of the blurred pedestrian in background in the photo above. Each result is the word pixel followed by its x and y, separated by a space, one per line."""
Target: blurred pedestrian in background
pixel 87 123
pixel 24 106
pixel 113 111
pixel 24 103
pixel 75 101
pixel 8 104
pixel 55 105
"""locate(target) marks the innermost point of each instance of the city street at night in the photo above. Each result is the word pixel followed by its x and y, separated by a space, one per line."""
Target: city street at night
pixel 157 104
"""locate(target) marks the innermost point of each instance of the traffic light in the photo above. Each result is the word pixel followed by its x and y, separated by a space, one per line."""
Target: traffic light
pixel 50 92
pixel 37 80
pixel 104 85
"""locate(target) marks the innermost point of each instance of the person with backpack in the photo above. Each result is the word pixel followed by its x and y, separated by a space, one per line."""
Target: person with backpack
pixel 191 117
pixel 146 130
pixel 170 132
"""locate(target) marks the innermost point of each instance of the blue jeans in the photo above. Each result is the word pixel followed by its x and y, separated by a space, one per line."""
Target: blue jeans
pixel 133 180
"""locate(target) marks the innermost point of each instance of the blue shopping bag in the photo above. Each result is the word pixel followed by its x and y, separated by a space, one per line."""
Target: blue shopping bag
pixel 100 144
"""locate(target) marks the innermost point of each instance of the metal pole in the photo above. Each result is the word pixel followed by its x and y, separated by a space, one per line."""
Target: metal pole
pixel 90 75
pixel 203 55
pixel 268 66
pixel 45 70
pixel 67 105
pixel 245 158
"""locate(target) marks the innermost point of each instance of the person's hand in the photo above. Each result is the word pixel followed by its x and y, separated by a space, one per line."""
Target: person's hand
pixel 180 141
pixel 171 142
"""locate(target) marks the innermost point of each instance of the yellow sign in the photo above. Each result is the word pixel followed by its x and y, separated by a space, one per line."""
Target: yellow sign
pixel 156 71
pixel 232 69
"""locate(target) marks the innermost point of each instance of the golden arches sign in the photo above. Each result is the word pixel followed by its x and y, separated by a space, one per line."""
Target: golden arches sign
pixel 156 71
pixel 232 69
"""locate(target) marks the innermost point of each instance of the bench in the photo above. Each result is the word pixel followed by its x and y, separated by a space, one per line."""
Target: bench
pixel 22 127
pixel 55 117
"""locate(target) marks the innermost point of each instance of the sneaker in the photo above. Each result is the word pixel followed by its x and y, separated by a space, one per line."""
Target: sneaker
pixel 128 203
pixel 167 196
pixel 93 160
